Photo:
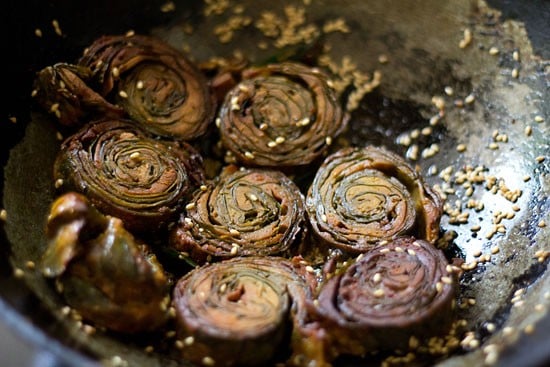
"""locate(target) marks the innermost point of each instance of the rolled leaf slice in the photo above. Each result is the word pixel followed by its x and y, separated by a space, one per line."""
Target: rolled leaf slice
pixel 246 212
pixel 391 295
pixel 280 115
pixel 361 196
pixel 127 173
pixel 158 86
pixel 64 91
pixel 236 312
pixel 109 277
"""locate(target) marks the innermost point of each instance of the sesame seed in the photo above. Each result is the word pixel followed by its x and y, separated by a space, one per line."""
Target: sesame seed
pixel 139 84
pixel 539 118
pixel 493 51
pixel 30 264
pixel 324 218
pixel 377 277
pixel 446 280
pixel 115 72
pixel 490 327
pixel 495 250
pixel 491 358
pixel 253 197
pixel 383 59
pixel 218 122
pixel 279 140
pixel 529 329
pixel 449 91
pixel 179 344
pixel 203 188
pixel 18 273
pixel 223 287
pixel 398 249
pixel 123 94
pixel 515 73
pixel 540 159
pixel 378 293
pixel 149 349
pixel 234 232
pixel 309 269
pixel 507 330
pixel 439 287
pixel 461 148
pixel 56 27
pixel 528 131
pixel 263 126
pixel 303 122
pixel 328 140
pixel 249 155
pixel 188 341
pixel 469 99
pixel 190 206
pixel 411 252
pixel 208 361
pixel 515 55
pixel 271 144
pixel 235 103
pixel 541 223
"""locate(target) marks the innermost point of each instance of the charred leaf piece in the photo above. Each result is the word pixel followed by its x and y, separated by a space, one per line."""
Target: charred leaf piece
pixel 280 115
pixel 246 212
pixel 388 295
pixel 158 86
pixel 63 90
pixel 127 173
pixel 361 196
pixel 106 274
pixel 236 312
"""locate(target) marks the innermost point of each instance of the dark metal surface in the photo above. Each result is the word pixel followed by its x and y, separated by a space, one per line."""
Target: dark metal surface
pixel 415 72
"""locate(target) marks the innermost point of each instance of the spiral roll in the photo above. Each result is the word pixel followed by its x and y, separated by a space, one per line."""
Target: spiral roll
pixel 246 212
pixel 280 115
pixel 153 82
pixel 361 196
pixel 236 312
pixel 128 174
pixel 393 293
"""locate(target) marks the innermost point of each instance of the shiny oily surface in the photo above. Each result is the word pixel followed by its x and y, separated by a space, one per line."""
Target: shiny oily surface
pixel 488 122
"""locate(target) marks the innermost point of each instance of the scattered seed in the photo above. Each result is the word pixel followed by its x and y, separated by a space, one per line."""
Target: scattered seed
pixel 539 118
pixel 493 51
pixel 541 223
pixel 461 148
pixel 190 206
pixel 189 341
pixel 208 361
pixel 515 55
pixel 18 273
pixel 515 73
pixel 469 99
pixel 3 215
pixel 540 159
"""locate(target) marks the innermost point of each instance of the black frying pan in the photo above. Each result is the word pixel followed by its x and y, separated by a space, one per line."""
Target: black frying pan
pixel 421 43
